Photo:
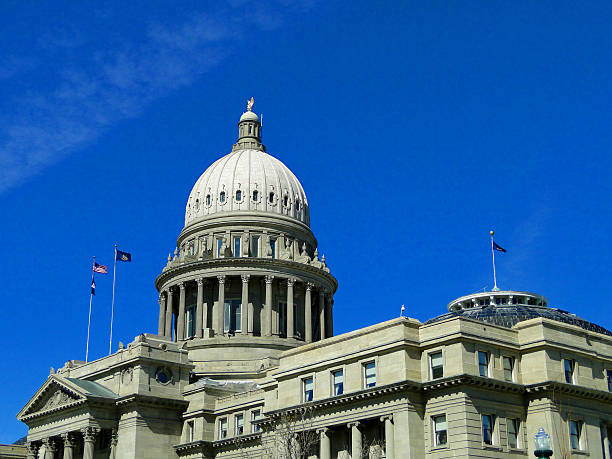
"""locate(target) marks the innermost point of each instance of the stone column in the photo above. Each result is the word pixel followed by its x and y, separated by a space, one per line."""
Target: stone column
pixel 113 444
pixel 180 319
pixel 161 326
pixel 199 302
pixel 324 444
pixel 220 306
pixel 168 327
pixel 606 441
pixel 89 437
pixel 290 318
pixel 244 309
pixel 268 306
pixel 389 436
pixel 32 450
pixel 356 440
pixel 322 312
pixel 330 309
pixel 69 444
pixel 50 448
pixel 308 312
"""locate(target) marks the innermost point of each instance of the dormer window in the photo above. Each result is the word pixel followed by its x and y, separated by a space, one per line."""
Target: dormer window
pixel 222 197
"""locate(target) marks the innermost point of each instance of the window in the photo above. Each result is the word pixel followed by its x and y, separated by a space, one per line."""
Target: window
pixel 487 429
pixel 508 368
pixel 208 200
pixel 285 200
pixel 297 205
pixel 238 195
pixel 237 240
pixel 513 432
pixel 190 431
pixel 282 318
pixel 222 428
pixel 273 247
pixel 576 434
pixel 255 195
pixel 239 424
pixel 255 415
pixel 232 316
pixel 568 369
pixel 338 382
pixel 609 379
pixel 190 323
pixel 369 371
pixel 439 427
pixel 222 197
pixel 271 197
pixel 255 246
pixel 483 363
pixel 197 205
pixel 437 369
pixel 219 248
pixel 308 389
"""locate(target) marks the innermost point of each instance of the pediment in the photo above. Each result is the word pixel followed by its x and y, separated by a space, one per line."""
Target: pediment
pixel 55 394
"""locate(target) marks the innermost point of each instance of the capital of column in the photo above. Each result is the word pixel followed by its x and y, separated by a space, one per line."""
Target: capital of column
pixel 290 282
pixel 353 424
pixel 69 439
pixel 387 417
pixel 309 286
pixel 323 430
pixel 114 436
pixel 90 433
pixel 32 448
pixel 245 278
pixel 181 285
pixel 200 281
pixel 221 278
pixel 268 279
pixel 50 444
pixel 162 296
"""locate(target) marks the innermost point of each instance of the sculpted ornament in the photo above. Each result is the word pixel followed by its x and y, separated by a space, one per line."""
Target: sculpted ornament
pixel 58 398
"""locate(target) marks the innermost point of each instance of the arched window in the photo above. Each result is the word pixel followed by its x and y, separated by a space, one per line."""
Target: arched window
pixel 255 195
pixel 238 195
pixel 197 206
pixel 297 205
pixel 271 197
pixel 208 200
pixel 285 200
pixel 222 197
pixel 250 128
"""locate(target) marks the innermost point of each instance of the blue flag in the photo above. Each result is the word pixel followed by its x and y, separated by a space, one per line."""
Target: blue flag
pixel 123 256
pixel 497 247
pixel 93 285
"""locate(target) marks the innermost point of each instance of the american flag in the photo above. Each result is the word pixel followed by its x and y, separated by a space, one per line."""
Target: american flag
pixel 97 268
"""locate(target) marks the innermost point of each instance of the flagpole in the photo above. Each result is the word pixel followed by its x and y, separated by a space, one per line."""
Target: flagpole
pixel 110 343
pixel 493 255
pixel 89 319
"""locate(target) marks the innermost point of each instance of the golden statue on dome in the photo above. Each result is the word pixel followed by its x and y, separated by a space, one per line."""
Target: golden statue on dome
pixel 250 104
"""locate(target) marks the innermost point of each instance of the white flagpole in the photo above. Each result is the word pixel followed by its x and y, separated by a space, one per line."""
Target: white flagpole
pixel 110 343
pixel 89 319
pixel 493 255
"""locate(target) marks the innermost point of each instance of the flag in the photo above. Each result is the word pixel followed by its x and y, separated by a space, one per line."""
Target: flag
pixel 497 247
pixel 123 256
pixel 93 285
pixel 98 268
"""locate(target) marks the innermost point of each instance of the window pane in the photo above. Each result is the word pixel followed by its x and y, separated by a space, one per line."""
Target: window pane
pixel 273 247
pixel 238 195
pixel 227 316
pixel 575 431
pixel 483 363
pixel 508 368
pixel 308 389
pixel 436 359
pixel 437 370
pixel 255 246
pixel 219 247
pixel 487 429
pixel 569 370
pixel 513 430
pixel 440 437
pixel 237 246
pixel 370 374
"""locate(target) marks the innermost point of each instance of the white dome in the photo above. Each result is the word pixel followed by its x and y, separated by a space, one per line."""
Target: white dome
pixel 247 180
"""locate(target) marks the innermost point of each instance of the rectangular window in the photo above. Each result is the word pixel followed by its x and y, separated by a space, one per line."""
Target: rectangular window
pixel 487 429
pixel 338 382
pixel 232 315
pixel 308 389
pixel 508 368
pixel 483 363
pixel 273 247
pixel 513 432
pixel 609 379
pixel 239 424
pixel 369 370
pixel 255 415
pixel 576 434
pixel 190 325
pixel 237 240
pixel 435 362
pixel 219 247
pixel 255 246
pixel 439 426
pixel 222 428
pixel 282 318
pixel 568 370
pixel 190 429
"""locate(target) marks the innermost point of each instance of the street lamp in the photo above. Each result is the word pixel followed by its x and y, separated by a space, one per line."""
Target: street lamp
pixel 542 444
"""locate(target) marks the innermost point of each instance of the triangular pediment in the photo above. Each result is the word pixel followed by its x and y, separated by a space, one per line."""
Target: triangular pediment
pixel 55 394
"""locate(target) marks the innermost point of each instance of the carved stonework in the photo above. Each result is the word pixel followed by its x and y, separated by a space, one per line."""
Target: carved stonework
pixel 56 399
pixel 127 375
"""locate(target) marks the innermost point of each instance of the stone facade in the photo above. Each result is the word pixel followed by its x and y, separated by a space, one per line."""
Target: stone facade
pixel 245 362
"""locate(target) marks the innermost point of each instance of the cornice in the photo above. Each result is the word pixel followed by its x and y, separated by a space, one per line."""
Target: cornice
pixel 151 400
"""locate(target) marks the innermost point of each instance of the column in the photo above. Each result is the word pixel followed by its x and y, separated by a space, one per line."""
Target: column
pixel 356 440
pixel 389 436
pixel 244 309
pixel 89 437
pixel 32 450
pixel 199 302
pixel 162 315
pixel 168 327
pixel 322 312
pixel 50 448
pixel 308 312
pixel 219 315
pixel 606 441
pixel 324 444
pixel 113 444
pixel 290 318
pixel 330 309
pixel 69 444
pixel 268 306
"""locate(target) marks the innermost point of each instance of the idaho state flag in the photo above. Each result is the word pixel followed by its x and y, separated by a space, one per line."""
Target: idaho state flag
pixel 497 247
pixel 123 256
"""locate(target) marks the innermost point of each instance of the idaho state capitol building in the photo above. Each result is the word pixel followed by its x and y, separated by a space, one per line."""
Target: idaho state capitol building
pixel 245 363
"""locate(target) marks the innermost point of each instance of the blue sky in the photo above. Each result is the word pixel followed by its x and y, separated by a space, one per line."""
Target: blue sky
pixel 414 127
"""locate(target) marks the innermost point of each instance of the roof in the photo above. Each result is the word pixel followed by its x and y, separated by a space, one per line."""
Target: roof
pixel 93 388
